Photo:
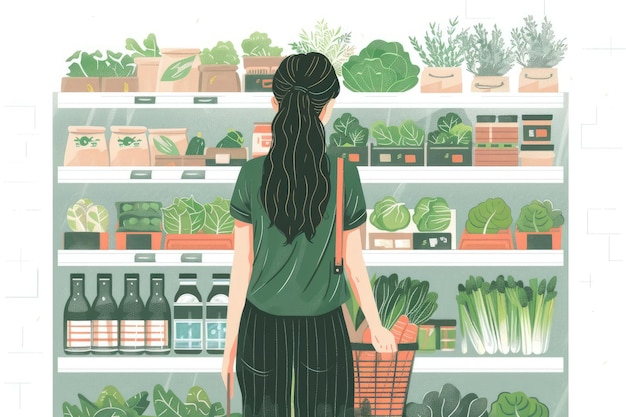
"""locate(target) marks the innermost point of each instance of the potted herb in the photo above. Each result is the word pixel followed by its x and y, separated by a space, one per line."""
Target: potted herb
pixel 539 226
pixel 436 224
pixel 260 61
pixel 488 57
pixel 397 145
pixel 488 226
pixel 380 67
pixel 330 42
pixel 451 143
pixel 349 140
pixel 88 223
pixel 95 72
pixel 218 68
pixel 389 225
pixel 228 151
pixel 443 57
pixel 147 59
pixel 138 225
pixel 189 224
pixel 538 52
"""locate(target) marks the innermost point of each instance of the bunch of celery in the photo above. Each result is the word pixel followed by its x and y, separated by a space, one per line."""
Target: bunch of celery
pixel 505 315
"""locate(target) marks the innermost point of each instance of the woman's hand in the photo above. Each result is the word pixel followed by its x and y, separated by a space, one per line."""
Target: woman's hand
pixel 383 340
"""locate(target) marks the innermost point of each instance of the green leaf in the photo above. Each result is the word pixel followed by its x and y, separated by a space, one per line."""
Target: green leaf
pixel 77 218
pixel 489 216
pixel 432 214
pixel 70 410
pixel 447 122
pixel 89 408
pixel 167 404
pixel 534 217
pixel 198 396
pixel 221 53
pixel 179 69
pixel 97 219
pixel 196 213
pixel 138 402
pixel 151 48
pixel 259 44
pixel 411 134
pixel 165 145
pixel 389 215
pixel 176 219
pixel 217 410
pixel 217 217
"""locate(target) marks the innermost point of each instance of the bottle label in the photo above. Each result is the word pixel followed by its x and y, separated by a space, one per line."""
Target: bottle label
pixel 78 334
pixel 156 334
pixel 132 334
pixel 188 334
pixel 215 334
pixel 105 334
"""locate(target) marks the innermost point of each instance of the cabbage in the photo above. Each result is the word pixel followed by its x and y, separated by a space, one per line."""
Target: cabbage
pixel 432 214
pixel 488 217
pixel 380 67
pixel 539 216
pixel 517 404
pixel 390 215
pixel 448 403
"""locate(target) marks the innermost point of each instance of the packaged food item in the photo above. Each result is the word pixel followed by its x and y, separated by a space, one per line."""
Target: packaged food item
pixel 105 322
pixel 132 319
pixel 216 309
pixel 128 146
pixel 178 70
pixel 86 146
pixel 158 317
pixel 77 318
pixel 188 316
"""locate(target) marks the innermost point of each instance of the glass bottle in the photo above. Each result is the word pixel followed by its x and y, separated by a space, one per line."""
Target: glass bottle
pixel 77 318
pixel 132 319
pixel 158 317
pixel 188 316
pixel 216 309
pixel 105 322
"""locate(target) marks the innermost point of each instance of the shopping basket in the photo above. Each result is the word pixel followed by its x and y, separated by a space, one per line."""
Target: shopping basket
pixel 381 380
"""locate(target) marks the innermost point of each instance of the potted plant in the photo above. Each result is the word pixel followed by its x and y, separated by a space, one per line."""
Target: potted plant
pixel 451 143
pixel 443 57
pixel 538 52
pixel 436 224
pixel 349 140
pixel 138 225
pixel 147 60
pixel 380 67
pixel 390 226
pixel 218 68
pixel 539 226
pixel 95 72
pixel 397 145
pixel 191 225
pixel 488 226
pixel 228 151
pixel 488 58
pixel 88 223
pixel 330 42
pixel 260 61
pixel 119 74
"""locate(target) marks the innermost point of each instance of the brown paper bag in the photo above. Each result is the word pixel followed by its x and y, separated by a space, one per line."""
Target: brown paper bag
pixel 128 146
pixel 489 84
pixel 538 80
pixel 86 146
pixel 441 80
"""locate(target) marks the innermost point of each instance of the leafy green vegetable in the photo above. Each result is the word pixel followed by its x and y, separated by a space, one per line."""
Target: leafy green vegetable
pixel 110 403
pixel 138 216
pixel 517 404
pixel 188 216
pixel 178 69
pixel 408 133
pixel 96 64
pixel 380 67
pixel 330 42
pixel 259 44
pixel 348 131
pixel 233 139
pixel 448 402
pixel 221 53
pixel 390 215
pixel 440 52
pixel 85 216
pixel 165 145
pixel 539 216
pixel 150 49
pixel 432 214
pixel 537 49
pixel 489 216
pixel 451 131
pixel 485 54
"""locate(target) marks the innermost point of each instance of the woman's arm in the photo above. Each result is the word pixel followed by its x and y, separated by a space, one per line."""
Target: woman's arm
pixel 382 338
pixel 239 280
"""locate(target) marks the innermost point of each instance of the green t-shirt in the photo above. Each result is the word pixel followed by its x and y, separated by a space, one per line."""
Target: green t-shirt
pixel 296 279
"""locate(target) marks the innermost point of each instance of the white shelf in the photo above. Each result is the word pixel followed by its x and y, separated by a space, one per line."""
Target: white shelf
pixel 372 258
pixel 195 364
pixel 371 175
pixel 346 99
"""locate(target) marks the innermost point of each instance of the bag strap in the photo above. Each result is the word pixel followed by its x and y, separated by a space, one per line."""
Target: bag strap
pixel 338 267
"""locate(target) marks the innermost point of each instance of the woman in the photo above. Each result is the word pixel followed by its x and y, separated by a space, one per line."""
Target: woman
pixel 285 325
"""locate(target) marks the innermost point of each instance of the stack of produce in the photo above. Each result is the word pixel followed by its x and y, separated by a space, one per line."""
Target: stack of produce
pixel 138 225
pixel 497 140
pixel 537 148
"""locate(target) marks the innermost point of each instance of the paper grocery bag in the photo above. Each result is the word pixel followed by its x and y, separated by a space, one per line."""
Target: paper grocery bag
pixel 538 80
pixel 490 83
pixel 441 80
pixel 86 146
pixel 128 146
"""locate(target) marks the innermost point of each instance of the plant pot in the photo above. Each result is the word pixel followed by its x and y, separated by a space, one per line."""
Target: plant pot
pixel 85 240
pixel 80 84
pixel 538 80
pixel 539 240
pixel 448 155
pixel 199 241
pixel 441 80
pixel 119 84
pixel 138 240
pixel 225 156
pixel 147 73
pixel 178 70
pixel 503 240
pixel 397 155
pixel 490 84
pixel 359 155
pixel 215 77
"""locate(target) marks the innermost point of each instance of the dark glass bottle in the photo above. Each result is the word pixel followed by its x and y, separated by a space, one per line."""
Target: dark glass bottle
pixel 188 316
pixel 216 309
pixel 105 322
pixel 158 317
pixel 77 318
pixel 132 317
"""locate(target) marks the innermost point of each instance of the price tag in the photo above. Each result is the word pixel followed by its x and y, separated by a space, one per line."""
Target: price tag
pixel 145 99
pixel 140 174
pixel 205 100
pixel 145 257
pixel 191 257
pixel 193 174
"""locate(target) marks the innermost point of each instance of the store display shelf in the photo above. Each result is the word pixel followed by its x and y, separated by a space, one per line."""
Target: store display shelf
pixel 456 257
pixel 213 364
pixel 346 99
pixel 371 175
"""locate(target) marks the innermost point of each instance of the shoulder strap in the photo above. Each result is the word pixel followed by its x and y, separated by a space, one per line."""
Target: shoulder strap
pixel 338 268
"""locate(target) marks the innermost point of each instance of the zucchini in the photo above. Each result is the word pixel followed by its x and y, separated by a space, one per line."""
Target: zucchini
pixel 196 145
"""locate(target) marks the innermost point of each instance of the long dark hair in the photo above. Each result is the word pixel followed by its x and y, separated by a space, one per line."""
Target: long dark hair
pixel 296 178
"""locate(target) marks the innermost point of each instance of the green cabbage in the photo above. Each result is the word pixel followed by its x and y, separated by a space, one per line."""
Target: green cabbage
pixel 451 131
pixel 489 217
pixel 539 216
pixel 448 403
pixel 188 216
pixel 517 404
pixel 380 67
pixel 432 214
pixel 348 132
pixel 408 133
pixel 390 215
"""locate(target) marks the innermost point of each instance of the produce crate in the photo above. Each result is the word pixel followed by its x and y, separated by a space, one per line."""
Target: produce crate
pixel 254 83
pixel 539 240
pixel 138 240
pixel 378 239
pixel 501 240
pixel 359 155
pixel 179 160
pixel 199 241
pixel 439 240
pixel 448 155
pixel 397 156
pixel 486 154
pixel 85 240
pixel 437 334
pixel 225 156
